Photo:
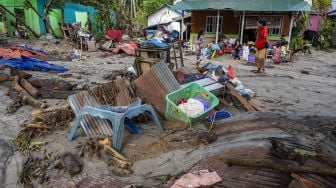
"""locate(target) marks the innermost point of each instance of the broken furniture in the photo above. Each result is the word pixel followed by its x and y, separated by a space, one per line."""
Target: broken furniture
pixel 147 58
pixel 116 115
pixel 67 31
pixel 178 46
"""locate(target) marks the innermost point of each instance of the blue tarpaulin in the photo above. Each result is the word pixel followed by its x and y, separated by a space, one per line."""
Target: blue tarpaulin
pixel 30 63
pixel 26 47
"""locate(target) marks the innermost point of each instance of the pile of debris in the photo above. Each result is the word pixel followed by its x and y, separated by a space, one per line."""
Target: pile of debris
pixel 24 90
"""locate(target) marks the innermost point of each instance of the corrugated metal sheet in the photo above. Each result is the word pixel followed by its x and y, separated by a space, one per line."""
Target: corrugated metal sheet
pixel 155 84
pixel 245 5
pixel 92 126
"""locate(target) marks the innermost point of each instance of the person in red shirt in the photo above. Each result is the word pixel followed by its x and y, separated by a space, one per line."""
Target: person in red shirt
pixel 261 45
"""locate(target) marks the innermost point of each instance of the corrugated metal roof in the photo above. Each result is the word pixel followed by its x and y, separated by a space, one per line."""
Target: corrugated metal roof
pixel 155 84
pixel 244 5
pixel 92 126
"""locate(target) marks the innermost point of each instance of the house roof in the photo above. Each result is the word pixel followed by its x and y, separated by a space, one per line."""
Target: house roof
pixel 244 5
pixel 170 7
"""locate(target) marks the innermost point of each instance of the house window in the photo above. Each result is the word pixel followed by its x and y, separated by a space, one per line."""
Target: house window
pixel 211 24
pixel 274 25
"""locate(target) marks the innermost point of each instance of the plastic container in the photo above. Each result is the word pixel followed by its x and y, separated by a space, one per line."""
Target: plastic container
pixel 190 91
pixel 219 115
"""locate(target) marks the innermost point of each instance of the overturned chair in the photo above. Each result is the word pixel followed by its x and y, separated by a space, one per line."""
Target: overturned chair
pixel 97 120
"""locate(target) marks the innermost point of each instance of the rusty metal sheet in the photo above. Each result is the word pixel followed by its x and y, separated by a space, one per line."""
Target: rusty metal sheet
pixel 155 84
pixel 92 126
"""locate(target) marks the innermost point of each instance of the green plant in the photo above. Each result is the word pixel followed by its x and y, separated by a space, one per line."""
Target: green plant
pixel 298 42
pixel 326 35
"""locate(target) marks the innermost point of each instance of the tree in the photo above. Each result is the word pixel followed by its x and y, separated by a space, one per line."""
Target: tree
pixel 322 8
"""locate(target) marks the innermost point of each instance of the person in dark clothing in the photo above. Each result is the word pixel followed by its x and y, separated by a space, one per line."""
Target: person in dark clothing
pixel 237 51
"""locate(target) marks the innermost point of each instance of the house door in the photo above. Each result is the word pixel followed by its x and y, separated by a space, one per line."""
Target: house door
pixel 82 17
pixel 55 16
pixel 20 29
pixel 3 29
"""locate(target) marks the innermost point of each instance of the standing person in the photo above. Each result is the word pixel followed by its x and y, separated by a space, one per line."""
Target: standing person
pixel 200 41
pixel 261 45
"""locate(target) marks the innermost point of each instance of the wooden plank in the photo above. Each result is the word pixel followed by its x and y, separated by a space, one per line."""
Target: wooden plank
pixel 257 105
pixel 241 99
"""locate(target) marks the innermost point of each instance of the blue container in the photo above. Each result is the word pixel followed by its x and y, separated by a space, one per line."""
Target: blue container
pixel 220 115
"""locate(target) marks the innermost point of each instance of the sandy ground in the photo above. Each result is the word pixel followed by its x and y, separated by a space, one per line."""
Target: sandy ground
pixel 283 89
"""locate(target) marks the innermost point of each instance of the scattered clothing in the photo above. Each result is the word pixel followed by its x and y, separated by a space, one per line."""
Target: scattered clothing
pixel 30 63
pixel 192 108
pixel 276 55
pixel 202 178
pixel 155 43
pixel 128 48
pixel 231 73
pixel 114 35
pixel 15 52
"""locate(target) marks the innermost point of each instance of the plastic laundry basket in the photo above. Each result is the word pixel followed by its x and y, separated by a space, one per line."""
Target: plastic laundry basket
pixel 190 91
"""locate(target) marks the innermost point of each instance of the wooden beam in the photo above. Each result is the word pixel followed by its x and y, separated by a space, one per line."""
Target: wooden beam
pixel 241 99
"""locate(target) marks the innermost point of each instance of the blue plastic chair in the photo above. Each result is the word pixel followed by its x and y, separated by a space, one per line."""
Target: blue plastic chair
pixel 116 115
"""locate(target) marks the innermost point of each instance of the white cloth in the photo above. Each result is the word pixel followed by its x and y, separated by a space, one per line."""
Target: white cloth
pixel 192 108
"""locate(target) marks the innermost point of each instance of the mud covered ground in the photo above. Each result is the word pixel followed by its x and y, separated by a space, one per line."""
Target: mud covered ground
pixel 284 89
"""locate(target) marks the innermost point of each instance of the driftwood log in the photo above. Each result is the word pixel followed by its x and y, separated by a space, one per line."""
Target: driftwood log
pixel 21 97
pixel 29 88
pixel 121 160
pixel 266 163
pixel 16 86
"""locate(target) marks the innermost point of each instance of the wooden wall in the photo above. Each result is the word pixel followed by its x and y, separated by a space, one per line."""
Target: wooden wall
pixel 231 24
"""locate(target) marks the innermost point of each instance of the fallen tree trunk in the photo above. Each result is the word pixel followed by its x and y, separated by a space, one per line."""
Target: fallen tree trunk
pixel 30 89
pixel 28 100
pixel 266 163
pixel 19 20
